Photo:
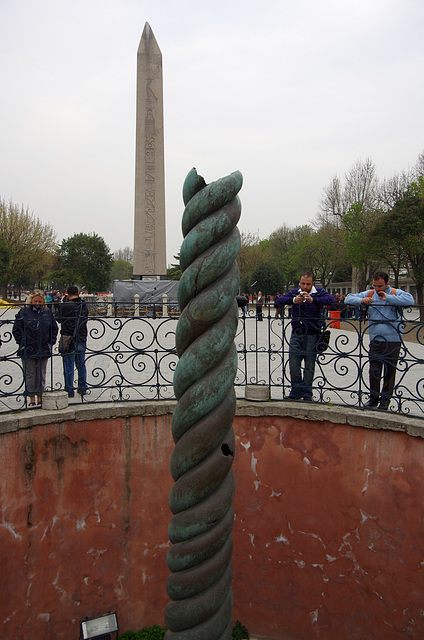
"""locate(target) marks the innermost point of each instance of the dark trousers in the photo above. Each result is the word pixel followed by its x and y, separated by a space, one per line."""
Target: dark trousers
pixel 383 354
pixel 302 348
pixel 35 375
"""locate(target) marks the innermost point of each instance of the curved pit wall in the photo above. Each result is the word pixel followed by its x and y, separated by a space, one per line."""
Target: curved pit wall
pixel 328 532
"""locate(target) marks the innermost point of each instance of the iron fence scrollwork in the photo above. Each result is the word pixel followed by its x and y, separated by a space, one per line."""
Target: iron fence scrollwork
pixel 132 357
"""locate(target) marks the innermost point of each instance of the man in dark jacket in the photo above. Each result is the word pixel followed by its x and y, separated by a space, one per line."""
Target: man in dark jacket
pixel 307 322
pixel 73 316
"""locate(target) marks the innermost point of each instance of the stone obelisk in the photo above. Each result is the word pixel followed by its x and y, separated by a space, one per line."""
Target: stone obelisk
pixel 149 214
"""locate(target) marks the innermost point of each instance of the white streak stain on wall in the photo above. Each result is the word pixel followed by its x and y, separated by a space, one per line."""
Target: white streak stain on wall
pixel 11 528
pixel 369 473
pixel 254 463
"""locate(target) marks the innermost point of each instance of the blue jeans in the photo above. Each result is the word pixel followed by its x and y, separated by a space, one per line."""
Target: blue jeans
pixel 75 358
pixel 302 347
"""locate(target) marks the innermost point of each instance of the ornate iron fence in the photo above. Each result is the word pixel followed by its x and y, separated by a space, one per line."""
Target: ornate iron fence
pixel 132 357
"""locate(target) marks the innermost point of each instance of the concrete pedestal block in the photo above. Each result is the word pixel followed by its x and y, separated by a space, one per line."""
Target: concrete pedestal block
pixel 53 400
pixel 257 392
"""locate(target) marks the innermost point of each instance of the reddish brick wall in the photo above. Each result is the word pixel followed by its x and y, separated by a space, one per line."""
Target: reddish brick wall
pixel 328 533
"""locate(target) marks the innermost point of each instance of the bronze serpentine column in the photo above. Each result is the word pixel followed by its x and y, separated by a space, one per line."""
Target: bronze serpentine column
pixel 201 464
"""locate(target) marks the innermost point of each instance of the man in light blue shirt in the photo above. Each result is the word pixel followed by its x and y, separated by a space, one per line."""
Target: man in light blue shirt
pixel 385 328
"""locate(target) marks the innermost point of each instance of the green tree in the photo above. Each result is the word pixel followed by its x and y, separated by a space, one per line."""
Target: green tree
pixel 174 271
pixel 121 270
pixel 43 269
pixel 322 252
pixel 248 257
pixel 85 259
pixel 5 256
pixel 343 273
pixel 283 244
pixel 360 243
pixel 29 241
pixel 404 224
pixel 267 278
pixel 390 252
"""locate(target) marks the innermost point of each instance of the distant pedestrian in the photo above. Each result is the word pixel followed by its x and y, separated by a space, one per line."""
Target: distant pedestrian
pixel 277 306
pixel 260 300
pixel 56 300
pixel 334 312
pixel 242 301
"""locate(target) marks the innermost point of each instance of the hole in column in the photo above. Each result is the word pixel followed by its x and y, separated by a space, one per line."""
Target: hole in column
pixel 226 450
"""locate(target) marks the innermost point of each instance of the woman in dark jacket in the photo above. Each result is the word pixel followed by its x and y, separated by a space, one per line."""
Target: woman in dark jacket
pixel 35 331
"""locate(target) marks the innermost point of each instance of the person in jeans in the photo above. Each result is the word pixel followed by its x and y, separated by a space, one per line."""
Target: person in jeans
pixel 385 328
pixel 307 321
pixel 73 316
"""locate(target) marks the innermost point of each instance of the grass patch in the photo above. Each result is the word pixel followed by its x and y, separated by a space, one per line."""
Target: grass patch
pixel 158 633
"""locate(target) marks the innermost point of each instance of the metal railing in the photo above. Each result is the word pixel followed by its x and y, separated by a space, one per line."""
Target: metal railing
pixel 133 358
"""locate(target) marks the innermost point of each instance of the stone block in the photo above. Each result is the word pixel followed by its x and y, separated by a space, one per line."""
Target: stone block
pixel 256 392
pixel 53 400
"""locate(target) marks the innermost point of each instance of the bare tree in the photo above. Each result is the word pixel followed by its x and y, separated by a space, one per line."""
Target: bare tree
pixel 361 184
pixel 394 189
pixel 126 254
pixel 419 167
pixel 360 187
pixel 249 254
pixel 333 205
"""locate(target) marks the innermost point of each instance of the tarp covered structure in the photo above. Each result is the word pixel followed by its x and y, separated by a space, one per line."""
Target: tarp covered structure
pixel 150 291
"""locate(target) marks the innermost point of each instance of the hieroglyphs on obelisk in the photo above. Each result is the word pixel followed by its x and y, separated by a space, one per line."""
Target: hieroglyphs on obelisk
pixel 149 215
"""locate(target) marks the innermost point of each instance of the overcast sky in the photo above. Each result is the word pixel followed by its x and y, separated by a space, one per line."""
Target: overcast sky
pixel 289 93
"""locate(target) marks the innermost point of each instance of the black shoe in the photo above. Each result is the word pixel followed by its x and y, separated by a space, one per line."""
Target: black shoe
pixel 307 398
pixel 384 405
pixel 71 395
pixel 371 404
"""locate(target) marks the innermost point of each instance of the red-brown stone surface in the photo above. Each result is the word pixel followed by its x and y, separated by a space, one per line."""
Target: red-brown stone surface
pixel 330 519
pixel 328 536
pixel 84 525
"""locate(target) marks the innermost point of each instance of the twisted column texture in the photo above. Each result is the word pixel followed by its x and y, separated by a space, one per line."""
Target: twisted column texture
pixel 201 498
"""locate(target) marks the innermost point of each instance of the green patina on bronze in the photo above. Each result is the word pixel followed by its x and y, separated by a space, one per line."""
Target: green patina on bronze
pixel 201 464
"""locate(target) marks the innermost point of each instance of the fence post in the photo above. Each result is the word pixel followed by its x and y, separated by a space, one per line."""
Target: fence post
pixel 136 306
pixel 110 306
pixel 164 306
